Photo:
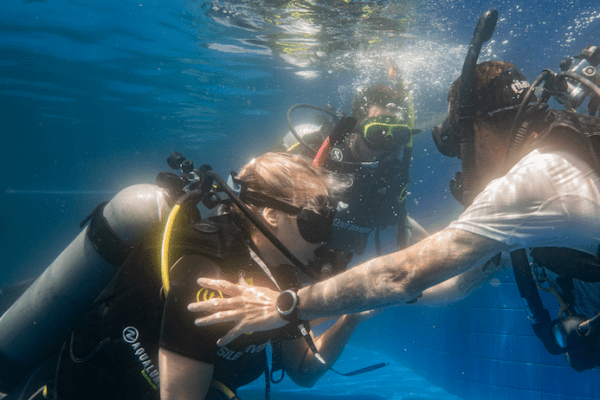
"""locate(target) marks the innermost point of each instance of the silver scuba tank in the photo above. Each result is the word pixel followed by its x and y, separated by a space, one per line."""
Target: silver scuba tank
pixel 34 326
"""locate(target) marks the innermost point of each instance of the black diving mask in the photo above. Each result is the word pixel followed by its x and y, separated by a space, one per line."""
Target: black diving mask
pixel 315 227
pixel 503 94
pixel 446 136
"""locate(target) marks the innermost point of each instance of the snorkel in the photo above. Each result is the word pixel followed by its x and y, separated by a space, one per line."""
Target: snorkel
pixel 466 112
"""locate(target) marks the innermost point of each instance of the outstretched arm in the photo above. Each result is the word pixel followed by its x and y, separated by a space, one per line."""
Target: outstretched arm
pixel 460 286
pixel 388 280
pixel 398 277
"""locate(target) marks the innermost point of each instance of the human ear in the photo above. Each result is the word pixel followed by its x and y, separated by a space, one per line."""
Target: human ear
pixel 271 217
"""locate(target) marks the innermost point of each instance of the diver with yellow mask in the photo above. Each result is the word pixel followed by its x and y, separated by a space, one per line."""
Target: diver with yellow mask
pixel 373 148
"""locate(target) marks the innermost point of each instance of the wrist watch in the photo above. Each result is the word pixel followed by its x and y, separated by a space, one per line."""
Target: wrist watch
pixel 287 305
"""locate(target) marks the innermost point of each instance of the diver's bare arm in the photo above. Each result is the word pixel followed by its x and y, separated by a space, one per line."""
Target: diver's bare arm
pixel 459 287
pixel 387 280
pixel 398 277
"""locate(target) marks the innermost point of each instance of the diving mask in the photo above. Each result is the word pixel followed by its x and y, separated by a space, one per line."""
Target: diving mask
pixel 314 227
pixel 385 132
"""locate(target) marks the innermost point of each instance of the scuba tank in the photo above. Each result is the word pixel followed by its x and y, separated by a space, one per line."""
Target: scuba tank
pixel 36 324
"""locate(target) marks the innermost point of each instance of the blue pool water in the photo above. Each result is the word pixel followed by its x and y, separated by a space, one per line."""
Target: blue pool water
pixel 95 95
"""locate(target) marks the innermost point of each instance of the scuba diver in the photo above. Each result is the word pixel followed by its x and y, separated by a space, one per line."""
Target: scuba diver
pixel 138 339
pixel 373 148
pixel 530 183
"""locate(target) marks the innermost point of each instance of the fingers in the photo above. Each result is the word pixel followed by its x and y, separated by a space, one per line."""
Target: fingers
pixel 218 317
pixel 226 287
pixel 229 337
pixel 214 304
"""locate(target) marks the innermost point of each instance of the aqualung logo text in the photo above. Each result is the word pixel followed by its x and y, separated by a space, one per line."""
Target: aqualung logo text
pixel 519 86
pixel 149 371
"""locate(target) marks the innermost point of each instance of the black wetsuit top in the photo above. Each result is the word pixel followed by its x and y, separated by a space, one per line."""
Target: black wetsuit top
pixel 113 352
pixel 375 200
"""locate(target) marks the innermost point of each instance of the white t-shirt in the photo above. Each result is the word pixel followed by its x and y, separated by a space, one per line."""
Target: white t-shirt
pixel 548 199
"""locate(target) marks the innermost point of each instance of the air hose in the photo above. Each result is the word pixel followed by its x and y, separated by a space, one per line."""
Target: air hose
pixel 193 197
pixel 291 126
pixel 466 112
pixel 164 249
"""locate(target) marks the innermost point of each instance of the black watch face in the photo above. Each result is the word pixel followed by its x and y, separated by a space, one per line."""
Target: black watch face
pixel 287 302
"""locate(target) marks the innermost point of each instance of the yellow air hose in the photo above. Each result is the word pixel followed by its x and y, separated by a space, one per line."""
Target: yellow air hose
pixel 164 250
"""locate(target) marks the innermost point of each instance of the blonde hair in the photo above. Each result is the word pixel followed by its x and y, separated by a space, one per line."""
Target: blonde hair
pixel 290 178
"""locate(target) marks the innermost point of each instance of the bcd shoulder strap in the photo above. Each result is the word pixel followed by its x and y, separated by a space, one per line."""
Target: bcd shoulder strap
pixel 216 237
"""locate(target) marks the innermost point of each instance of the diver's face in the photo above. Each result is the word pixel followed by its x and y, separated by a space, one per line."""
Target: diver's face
pixel 360 150
pixel 376 111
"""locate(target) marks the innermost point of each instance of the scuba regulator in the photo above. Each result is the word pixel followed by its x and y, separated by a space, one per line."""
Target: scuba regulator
pixel 569 87
pixel 572 334
pixel 570 91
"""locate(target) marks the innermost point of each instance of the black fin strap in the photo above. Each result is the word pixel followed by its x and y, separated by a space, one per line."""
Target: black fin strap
pixel 106 242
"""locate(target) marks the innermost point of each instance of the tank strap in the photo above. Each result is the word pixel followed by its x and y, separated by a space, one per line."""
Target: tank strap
pixel 106 242
pixel 536 312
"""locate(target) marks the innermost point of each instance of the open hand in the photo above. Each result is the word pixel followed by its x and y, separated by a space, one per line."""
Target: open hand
pixel 252 308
